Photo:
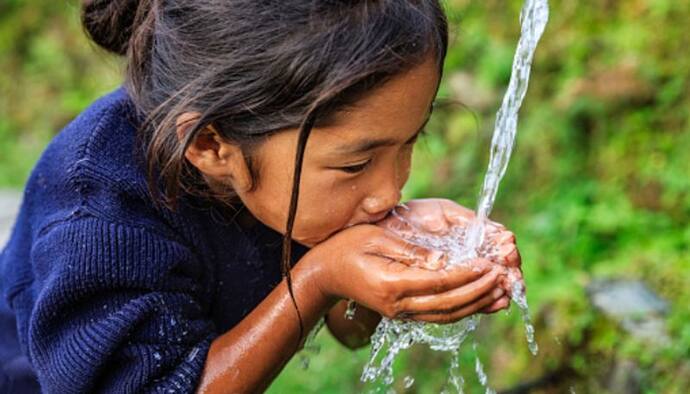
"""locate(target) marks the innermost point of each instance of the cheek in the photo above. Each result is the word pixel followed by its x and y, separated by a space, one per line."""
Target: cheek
pixel 269 201
pixel 325 207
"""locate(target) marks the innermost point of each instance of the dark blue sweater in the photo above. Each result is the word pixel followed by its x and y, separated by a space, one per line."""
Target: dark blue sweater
pixel 105 292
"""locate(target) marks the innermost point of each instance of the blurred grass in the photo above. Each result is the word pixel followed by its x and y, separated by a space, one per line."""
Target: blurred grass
pixel 598 185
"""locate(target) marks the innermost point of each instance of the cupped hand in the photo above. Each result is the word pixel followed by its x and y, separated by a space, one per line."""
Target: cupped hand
pixel 432 215
pixel 378 269
pixel 438 216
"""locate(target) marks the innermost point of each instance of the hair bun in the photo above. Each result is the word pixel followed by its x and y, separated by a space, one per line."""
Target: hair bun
pixel 109 23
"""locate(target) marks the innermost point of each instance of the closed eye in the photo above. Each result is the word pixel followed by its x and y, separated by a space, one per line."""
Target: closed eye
pixel 353 169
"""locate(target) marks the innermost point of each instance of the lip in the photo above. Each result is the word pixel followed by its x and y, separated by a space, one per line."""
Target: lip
pixel 377 218
pixel 369 220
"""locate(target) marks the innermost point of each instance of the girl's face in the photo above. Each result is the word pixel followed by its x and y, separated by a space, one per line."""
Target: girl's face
pixel 354 169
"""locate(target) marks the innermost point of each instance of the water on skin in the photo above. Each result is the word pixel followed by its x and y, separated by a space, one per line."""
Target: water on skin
pixel 351 310
pixel 461 244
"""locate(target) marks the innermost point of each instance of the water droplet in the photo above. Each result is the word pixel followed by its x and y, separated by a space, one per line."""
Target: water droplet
pixel 192 354
pixel 408 381
pixel 351 310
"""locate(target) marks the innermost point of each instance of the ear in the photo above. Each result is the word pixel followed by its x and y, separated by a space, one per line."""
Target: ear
pixel 220 160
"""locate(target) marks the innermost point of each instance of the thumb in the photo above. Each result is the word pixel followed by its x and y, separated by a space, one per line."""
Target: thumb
pixel 410 253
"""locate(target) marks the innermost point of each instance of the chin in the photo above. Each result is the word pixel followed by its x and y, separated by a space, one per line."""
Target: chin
pixel 309 242
pixel 313 240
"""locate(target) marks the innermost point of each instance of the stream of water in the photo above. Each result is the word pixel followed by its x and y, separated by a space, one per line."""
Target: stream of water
pixel 462 244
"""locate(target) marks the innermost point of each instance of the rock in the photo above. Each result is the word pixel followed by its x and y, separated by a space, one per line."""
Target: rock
pixel 633 305
pixel 625 378
pixel 9 206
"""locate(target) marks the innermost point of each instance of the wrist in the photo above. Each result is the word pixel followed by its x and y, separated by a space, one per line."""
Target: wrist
pixel 314 281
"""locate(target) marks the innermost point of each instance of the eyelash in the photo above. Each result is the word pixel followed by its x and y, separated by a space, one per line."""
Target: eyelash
pixel 356 168
pixel 361 167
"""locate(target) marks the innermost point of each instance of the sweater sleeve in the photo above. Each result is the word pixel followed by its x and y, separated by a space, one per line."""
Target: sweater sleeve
pixel 119 309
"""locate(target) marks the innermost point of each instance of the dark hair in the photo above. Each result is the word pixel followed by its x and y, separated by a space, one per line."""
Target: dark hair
pixel 253 68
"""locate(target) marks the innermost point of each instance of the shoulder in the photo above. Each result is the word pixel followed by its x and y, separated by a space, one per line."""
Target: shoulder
pixel 94 164
pixel 107 120
pixel 114 295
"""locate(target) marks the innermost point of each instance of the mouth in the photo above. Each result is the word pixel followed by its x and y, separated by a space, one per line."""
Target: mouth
pixel 377 218
pixel 369 220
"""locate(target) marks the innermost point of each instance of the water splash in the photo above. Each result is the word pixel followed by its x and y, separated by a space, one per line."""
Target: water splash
pixel 311 347
pixel 462 244
pixel 479 370
pixel 533 18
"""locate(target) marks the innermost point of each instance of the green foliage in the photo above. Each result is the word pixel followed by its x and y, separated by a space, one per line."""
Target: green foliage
pixel 597 187
pixel 50 73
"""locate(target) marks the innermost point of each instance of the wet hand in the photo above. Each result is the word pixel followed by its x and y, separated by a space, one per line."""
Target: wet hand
pixel 383 272
pixel 432 215
pixel 509 256
pixel 438 216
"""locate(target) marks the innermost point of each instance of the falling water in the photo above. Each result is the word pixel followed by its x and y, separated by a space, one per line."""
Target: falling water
pixel 311 347
pixel 462 244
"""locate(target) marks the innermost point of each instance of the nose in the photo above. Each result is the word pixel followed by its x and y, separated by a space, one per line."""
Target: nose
pixel 384 199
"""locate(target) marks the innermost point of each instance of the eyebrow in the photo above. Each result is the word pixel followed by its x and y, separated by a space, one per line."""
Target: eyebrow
pixel 371 144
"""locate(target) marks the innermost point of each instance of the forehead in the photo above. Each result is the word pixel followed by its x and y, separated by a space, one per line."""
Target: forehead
pixel 393 111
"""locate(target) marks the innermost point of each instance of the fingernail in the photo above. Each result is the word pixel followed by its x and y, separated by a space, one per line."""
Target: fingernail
pixel 498 293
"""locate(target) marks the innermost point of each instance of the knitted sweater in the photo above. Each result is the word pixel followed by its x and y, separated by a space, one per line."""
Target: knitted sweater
pixel 110 293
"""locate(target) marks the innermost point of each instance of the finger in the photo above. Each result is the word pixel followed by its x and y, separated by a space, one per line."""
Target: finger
pixel 397 224
pixel 509 255
pixel 453 299
pixel 501 303
pixel 436 215
pixel 426 214
pixel 457 215
pixel 505 237
pixel 411 254
pixel 451 209
pixel 461 313
pixel 417 282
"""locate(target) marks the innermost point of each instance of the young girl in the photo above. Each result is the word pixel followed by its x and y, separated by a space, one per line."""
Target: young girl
pixel 148 252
